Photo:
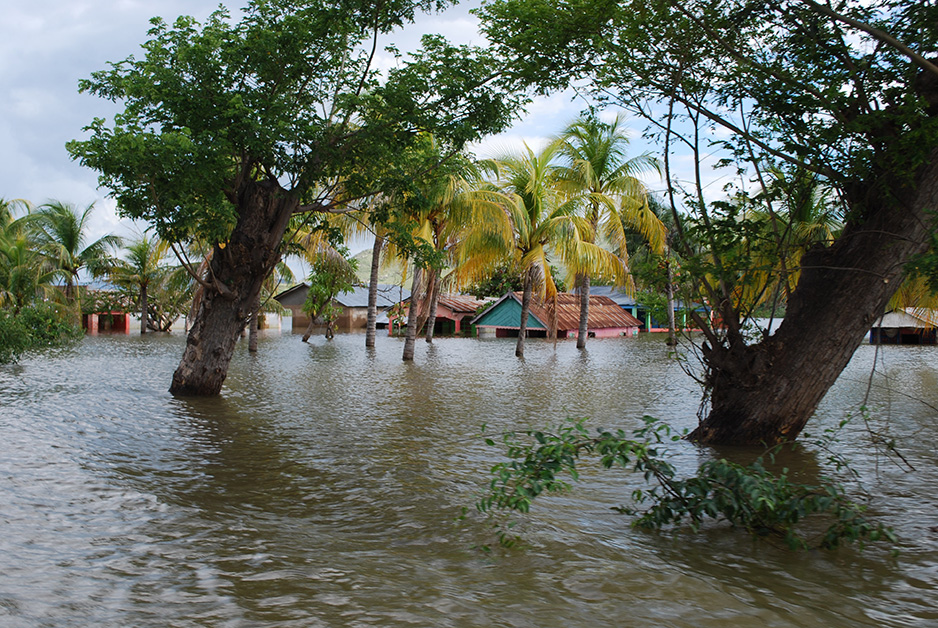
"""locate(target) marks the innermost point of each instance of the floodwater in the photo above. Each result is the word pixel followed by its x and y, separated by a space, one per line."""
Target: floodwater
pixel 324 487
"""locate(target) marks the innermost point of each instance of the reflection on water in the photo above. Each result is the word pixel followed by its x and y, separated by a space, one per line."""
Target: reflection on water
pixel 322 488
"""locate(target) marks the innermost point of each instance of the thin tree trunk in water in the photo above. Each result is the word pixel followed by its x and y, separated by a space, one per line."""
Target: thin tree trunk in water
pixel 238 271
pixel 143 309
pixel 430 277
pixel 525 309
pixel 309 328
pixel 669 290
pixel 434 302
pixel 765 393
pixel 252 335
pixel 410 336
pixel 370 327
pixel 583 282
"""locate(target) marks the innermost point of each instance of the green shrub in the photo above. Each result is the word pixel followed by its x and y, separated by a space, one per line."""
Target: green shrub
pixel 35 327
pixel 749 497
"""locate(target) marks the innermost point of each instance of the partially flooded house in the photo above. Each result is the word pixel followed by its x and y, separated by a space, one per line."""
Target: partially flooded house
pixel 906 326
pixel 354 305
pixel 606 318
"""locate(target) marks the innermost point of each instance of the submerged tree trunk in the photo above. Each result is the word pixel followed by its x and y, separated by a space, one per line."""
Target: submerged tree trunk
pixel 669 290
pixel 144 305
pixel 583 283
pixel 371 325
pixel 434 302
pixel 410 336
pixel 309 329
pixel 525 309
pixel 430 278
pixel 764 394
pixel 237 272
pixel 252 335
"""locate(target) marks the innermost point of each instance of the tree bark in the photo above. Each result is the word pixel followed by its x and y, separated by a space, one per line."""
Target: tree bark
pixel 252 334
pixel 764 394
pixel 371 325
pixel 309 329
pixel 525 309
pixel 669 290
pixel 430 278
pixel 237 270
pixel 583 283
pixel 410 336
pixel 143 309
pixel 434 302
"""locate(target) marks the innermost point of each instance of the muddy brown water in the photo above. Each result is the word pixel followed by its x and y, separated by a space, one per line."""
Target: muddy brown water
pixel 323 489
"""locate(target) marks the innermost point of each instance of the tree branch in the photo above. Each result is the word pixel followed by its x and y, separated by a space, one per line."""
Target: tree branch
pixel 882 36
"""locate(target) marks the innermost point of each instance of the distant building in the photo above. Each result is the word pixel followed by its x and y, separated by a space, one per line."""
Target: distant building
pixel 906 326
pixel 643 313
pixel 354 305
pixel 453 313
pixel 606 318
pixel 105 309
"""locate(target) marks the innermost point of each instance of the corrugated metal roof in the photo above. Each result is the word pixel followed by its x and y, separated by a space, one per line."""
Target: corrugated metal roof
pixel 463 302
pixel 620 298
pixel 388 295
pixel 604 313
pixel 909 317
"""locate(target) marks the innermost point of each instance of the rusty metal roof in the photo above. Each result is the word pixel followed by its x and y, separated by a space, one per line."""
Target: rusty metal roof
pixel 460 303
pixel 604 313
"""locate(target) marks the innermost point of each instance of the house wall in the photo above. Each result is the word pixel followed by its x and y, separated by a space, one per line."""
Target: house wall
pixel 608 332
pixel 352 318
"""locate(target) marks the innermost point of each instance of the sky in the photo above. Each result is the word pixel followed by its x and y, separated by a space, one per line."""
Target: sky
pixel 47 46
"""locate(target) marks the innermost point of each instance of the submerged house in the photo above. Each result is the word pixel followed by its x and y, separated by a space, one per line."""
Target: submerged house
pixel 453 314
pixel 354 305
pixel 643 313
pixel 906 326
pixel 606 318
pixel 105 309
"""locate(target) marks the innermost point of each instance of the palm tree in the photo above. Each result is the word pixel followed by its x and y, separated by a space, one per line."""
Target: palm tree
pixel 24 273
pixel 143 266
pixel 793 213
pixel 462 215
pixel 543 222
pixel 61 232
pixel 614 200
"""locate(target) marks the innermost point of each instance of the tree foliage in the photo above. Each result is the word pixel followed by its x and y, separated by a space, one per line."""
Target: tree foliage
pixel 289 93
pixel 750 497
pixel 231 128
pixel 330 276
pixel 844 97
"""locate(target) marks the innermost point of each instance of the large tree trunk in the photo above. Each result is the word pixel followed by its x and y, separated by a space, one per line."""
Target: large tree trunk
pixel 237 272
pixel 370 326
pixel 583 283
pixel 410 336
pixel 765 393
pixel 525 309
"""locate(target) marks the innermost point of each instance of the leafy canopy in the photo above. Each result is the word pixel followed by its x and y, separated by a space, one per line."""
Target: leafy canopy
pixel 288 94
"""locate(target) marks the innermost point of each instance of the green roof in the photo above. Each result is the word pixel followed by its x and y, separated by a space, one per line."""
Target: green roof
pixel 507 313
